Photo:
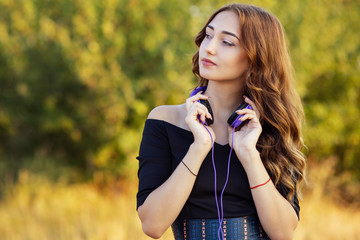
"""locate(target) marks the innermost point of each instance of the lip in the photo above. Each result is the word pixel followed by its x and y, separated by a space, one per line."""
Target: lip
pixel 207 62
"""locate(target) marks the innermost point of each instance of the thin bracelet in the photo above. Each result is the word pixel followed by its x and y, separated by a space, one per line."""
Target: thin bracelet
pixel 261 184
pixel 189 169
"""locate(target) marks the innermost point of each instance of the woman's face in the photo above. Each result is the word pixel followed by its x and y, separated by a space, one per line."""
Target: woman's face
pixel 221 57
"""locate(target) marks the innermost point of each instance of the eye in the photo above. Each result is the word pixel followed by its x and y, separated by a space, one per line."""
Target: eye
pixel 207 35
pixel 228 43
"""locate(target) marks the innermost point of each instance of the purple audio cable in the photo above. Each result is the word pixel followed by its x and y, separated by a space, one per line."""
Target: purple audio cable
pixel 213 163
pixel 226 182
pixel 236 123
pixel 220 213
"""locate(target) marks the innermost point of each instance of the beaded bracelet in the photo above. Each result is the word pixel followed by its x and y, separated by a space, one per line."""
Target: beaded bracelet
pixel 261 184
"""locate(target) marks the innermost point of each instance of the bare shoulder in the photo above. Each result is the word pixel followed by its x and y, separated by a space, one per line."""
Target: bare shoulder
pixel 174 114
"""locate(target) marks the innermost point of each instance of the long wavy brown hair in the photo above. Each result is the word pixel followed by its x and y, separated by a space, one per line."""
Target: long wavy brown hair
pixel 269 83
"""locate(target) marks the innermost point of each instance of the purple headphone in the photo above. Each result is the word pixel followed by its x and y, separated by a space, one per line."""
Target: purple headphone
pixel 233 120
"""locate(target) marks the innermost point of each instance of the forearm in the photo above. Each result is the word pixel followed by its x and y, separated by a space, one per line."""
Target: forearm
pixel 164 204
pixel 276 214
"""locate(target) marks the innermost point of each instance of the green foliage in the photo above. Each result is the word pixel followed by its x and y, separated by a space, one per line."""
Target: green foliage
pixel 79 77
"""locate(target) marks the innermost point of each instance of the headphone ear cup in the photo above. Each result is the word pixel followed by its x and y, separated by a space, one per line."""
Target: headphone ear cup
pixel 233 120
pixel 207 105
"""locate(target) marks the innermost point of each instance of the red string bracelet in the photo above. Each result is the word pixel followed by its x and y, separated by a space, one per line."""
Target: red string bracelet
pixel 261 184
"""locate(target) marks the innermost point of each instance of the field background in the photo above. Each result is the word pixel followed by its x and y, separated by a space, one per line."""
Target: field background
pixel 40 210
pixel 78 79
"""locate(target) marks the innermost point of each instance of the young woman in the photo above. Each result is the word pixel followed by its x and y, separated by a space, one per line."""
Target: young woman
pixel 214 182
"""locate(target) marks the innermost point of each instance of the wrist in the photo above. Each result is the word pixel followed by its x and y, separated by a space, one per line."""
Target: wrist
pixel 246 152
pixel 201 148
pixel 248 156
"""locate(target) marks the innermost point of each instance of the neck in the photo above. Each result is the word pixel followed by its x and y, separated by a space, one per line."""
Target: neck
pixel 224 97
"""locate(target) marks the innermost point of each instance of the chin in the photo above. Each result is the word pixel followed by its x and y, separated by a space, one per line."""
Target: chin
pixel 205 74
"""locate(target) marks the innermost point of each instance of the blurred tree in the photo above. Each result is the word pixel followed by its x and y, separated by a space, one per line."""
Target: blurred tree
pixel 79 78
pixel 66 70
pixel 327 54
pixel 324 45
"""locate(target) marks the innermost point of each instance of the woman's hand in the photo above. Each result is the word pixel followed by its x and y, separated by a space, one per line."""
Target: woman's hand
pixel 195 109
pixel 246 138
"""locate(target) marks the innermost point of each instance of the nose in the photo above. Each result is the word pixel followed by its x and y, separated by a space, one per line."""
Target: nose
pixel 211 47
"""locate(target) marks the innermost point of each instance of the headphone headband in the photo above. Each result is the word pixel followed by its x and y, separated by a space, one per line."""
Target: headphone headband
pixel 199 89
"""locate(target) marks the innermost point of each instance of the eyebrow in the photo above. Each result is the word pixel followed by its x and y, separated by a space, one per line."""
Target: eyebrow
pixel 225 32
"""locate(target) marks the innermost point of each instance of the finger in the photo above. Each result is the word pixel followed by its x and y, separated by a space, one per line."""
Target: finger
pixel 199 109
pixel 245 111
pixel 202 107
pixel 200 113
pixel 252 104
pixel 197 97
pixel 248 117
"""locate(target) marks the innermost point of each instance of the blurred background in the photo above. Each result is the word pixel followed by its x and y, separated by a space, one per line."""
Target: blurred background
pixel 78 78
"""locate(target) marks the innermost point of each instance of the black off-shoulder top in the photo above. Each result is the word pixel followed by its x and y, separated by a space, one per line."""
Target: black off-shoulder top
pixel 162 148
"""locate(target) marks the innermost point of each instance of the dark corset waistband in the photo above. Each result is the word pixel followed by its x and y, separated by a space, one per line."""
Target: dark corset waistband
pixel 233 229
